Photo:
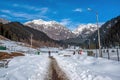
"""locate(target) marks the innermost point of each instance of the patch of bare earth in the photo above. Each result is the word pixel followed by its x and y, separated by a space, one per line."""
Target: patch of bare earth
pixel 5 55
pixel 5 58
pixel 3 38
pixel 55 73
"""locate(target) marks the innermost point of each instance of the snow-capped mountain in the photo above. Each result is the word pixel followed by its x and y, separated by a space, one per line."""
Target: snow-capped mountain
pixel 3 21
pixel 82 32
pixel 85 29
pixel 52 28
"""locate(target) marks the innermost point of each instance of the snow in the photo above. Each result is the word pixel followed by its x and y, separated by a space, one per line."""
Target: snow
pixel 4 21
pixel 112 53
pixel 47 24
pixel 81 27
pixel 76 67
pixel 26 68
pixel 89 68
pixel 42 22
pixel 51 28
pixel 13 46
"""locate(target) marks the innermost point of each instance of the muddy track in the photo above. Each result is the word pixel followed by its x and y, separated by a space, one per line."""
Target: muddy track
pixel 55 73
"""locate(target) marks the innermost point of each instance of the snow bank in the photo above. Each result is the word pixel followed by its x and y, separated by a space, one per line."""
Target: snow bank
pixel 13 46
pixel 89 68
pixel 26 68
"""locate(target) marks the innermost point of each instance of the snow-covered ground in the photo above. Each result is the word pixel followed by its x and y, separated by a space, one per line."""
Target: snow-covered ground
pixel 76 67
pixel 112 52
pixel 13 46
pixel 26 68
pixel 89 68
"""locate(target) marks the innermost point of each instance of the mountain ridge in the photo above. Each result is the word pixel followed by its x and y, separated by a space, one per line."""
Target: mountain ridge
pixel 18 32
pixel 53 29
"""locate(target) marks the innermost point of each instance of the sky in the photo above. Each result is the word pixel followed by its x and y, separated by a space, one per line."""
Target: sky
pixel 70 13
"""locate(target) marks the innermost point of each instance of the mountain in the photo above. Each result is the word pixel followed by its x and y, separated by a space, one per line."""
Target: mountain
pixel 18 32
pixel 82 32
pixel 109 34
pixel 53 29
pixel 112 38
pixel 85 30
pixel 3 21
pixel 3 38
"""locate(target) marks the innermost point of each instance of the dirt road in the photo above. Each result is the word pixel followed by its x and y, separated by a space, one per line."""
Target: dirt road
pixel 55 73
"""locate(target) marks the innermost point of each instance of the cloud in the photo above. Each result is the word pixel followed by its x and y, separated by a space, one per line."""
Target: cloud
pixel 44 10
pixel 5 16
pixel 24 15
pixel 25 7
pixel 68 23
pixel 5 11
pixel 28 7
pixel 65 22
pixel 15 5
pixel 78 10
pixel 55 12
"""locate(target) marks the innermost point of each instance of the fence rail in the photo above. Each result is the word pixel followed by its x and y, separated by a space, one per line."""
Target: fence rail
pixel 113 54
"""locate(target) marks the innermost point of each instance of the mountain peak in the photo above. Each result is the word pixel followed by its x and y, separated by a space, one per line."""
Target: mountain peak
pixel 52 28
pixel 86 28
pixel 4 21
pixel 40 22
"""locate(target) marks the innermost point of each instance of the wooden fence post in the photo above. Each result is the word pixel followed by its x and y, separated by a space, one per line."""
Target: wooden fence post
pixel 118 54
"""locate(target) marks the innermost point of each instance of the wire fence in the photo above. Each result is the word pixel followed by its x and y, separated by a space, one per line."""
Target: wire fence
pixel 112 54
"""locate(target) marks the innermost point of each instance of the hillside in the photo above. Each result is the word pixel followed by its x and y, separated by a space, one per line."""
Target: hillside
pixel 112 38
pixel 18 32
pixel 83 31
pixel 53 29
pixel 3 38
pixel 109 34
pixel 4 21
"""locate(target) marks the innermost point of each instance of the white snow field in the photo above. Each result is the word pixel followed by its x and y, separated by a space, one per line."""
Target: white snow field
pixel 76 67
pixel 26 68
pixel 82 67
pixel 13 46
pixel 113 54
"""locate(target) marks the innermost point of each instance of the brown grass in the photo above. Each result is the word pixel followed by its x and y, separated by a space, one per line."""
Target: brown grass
pixel 5 55
pixel 17 54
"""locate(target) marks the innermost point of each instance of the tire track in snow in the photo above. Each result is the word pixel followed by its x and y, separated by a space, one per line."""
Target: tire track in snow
pixel 55 73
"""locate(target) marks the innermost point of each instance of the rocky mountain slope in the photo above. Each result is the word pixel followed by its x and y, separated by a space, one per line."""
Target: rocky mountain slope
pixel 109 34
pixel 18 32
pixel 3 21
pixel 82 32
pixel 85 30
pixel 53 29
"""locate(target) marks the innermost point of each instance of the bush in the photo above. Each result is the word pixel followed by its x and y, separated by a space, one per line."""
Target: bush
pixel 90 53
pixel 113 51
pixel 17 54
pixel 5 55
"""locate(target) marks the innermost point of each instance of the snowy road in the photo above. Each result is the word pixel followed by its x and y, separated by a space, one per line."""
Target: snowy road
pixel 55 73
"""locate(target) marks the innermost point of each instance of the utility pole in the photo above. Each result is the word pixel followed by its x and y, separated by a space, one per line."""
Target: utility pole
pixel 99 45
pixel 98 35
pixel 31 40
